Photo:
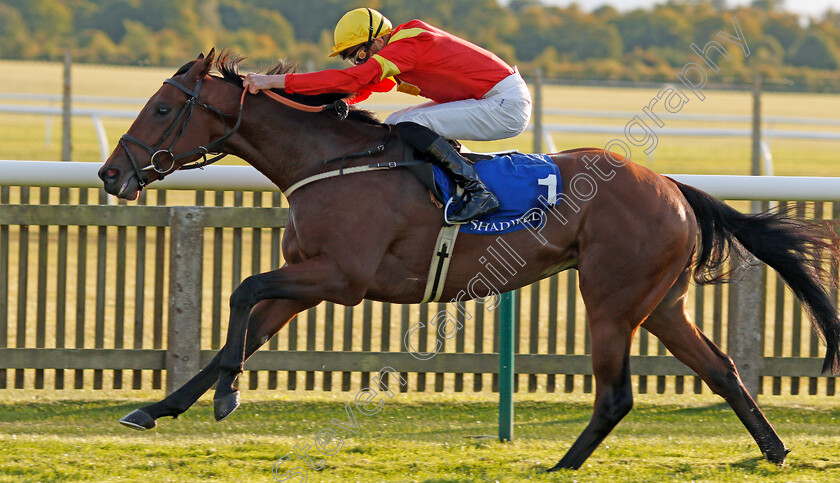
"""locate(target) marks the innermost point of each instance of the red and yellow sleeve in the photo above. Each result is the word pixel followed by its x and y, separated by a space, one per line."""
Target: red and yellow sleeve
pixel 353 79
pixel 384 86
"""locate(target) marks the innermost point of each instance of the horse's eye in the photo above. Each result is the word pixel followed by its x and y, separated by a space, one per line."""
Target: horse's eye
pixel 162 111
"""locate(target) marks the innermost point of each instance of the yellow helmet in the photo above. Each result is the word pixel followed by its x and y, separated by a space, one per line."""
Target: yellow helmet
pixel 359 26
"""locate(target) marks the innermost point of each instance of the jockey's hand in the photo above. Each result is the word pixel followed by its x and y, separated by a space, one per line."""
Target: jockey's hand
pixel 257 82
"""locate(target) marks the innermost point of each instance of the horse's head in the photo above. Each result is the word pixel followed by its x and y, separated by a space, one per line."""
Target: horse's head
pixel 195 114
pixel 174 128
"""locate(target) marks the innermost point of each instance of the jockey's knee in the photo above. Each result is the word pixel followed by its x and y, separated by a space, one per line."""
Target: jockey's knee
pixel 515 120
pixel 515 129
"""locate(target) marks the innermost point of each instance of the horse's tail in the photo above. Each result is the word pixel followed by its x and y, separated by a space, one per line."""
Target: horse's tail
pixel 804 253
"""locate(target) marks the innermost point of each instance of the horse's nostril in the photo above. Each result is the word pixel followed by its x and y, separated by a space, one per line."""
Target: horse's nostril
pixel 109 174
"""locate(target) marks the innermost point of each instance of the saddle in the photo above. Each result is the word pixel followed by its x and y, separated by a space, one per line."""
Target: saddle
pixel 513 177
pixel 424 170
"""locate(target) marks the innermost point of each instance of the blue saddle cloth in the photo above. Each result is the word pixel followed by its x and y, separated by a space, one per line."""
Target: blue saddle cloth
pixel 518 180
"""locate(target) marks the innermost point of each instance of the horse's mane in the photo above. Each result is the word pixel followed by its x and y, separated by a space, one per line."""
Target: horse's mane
pixel 228 66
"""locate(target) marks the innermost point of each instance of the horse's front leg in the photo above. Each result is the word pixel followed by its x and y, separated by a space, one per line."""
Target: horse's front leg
pixel 265 320
pixel 309 282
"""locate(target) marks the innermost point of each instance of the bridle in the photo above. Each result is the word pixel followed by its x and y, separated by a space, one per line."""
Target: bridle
pixel 167 165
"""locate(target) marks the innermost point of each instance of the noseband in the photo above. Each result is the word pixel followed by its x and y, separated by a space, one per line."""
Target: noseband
pixel 163 160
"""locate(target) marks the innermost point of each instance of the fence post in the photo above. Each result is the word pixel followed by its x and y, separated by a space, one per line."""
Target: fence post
pixel 745 333
pixel 746 328
pixel 756 127
pixel 66 146
pixel 101 135
pixel 185 278
pixel 507 332
pixel 538 112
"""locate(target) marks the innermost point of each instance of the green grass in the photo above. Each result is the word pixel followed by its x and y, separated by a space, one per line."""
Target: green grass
pixel 429 438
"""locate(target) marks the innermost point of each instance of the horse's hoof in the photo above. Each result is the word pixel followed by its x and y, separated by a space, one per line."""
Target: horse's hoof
pixel 778 457
pixel 223 406
pixel 138 420
pixel 561 466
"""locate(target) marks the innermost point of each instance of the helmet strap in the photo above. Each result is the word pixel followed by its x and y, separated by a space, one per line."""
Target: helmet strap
pixel 371 35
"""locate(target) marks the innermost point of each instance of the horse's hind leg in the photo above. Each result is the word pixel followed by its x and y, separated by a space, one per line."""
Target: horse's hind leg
pixel 265 320
pixel 619 291
pixel 613 391
pixel 671 324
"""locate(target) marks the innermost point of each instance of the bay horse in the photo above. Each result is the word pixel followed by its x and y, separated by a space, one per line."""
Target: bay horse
pixel 636 243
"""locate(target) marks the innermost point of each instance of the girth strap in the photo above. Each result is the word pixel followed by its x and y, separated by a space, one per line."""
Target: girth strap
pixel 442 256
pixel 330 174
pixel 342 171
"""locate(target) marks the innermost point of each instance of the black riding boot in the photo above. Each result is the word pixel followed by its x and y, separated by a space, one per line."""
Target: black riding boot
pixel 477 199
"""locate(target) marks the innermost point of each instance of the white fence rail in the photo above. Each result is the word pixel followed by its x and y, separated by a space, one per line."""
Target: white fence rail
pixel 693 117
pixel 14 96
pixel 697 132
pixel 98 113
pixel 76 111
pixel 75 174
pixel 748 315
pixel 246 178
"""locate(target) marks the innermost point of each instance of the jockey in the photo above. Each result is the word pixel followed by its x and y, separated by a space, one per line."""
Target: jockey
pixel 474 94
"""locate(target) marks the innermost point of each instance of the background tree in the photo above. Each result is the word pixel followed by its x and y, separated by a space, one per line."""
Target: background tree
pixel 815 50
pixel 768 5
pixel 785 28
pixel 14 35
pixel 565 42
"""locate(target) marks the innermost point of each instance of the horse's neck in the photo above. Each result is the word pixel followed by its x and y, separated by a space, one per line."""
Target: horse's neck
pixel 288 148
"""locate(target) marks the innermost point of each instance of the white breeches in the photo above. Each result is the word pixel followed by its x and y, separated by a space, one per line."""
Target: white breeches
pixel 502 113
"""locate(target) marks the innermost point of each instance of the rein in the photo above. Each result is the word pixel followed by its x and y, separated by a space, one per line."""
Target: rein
pixel 341 107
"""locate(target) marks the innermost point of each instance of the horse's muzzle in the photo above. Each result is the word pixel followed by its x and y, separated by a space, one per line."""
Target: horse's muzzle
pixel 126 187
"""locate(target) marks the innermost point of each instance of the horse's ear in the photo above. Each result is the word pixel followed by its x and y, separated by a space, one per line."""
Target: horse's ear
pixel 208 61
pixel 202 66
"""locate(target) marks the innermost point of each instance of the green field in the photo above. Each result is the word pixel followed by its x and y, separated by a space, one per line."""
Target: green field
pixel 73 435
pixel 23 136
pixel 440 438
